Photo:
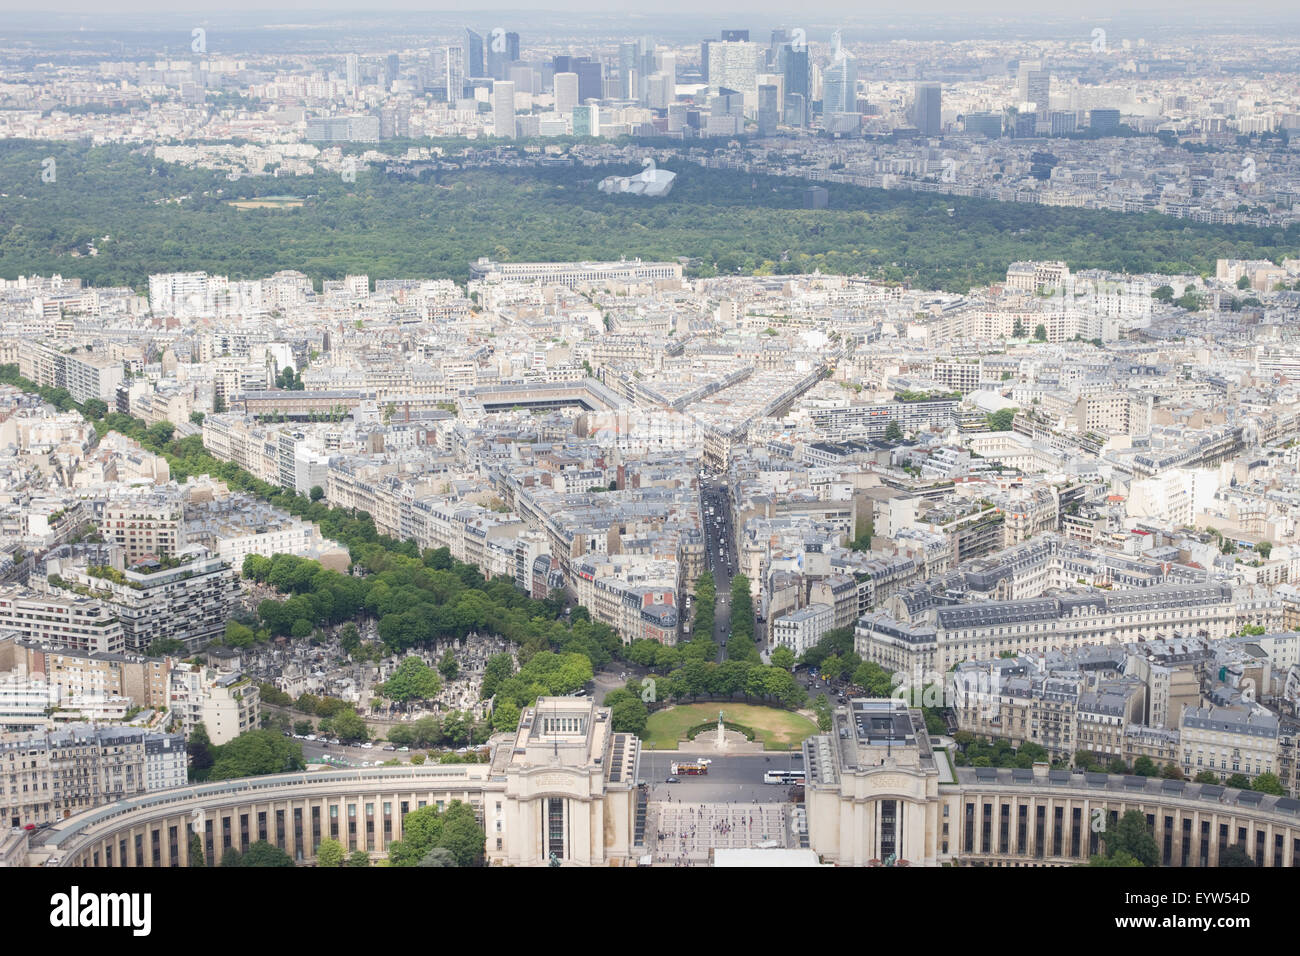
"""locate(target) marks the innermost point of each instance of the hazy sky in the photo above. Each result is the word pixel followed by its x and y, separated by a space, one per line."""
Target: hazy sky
pixel 656 9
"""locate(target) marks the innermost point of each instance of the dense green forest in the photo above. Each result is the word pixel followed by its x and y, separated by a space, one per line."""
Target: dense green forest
pixel 163 217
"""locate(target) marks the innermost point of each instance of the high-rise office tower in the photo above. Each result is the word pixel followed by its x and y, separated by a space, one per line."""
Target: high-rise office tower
pixel 474 53
pixel 926 103
pixel 586 121
pixel 1034 85
pixel 704 59
pixel 525 79
pixel 566 92
pixel 840 81
pixel 589 80
pixel 503 49
pixel 565 63
pixel 392 66
pixel 503 108
pixel 794 67
pixel 768 110
pixel 796 109
pixel 455 73
pixel 735 36
pixel 628 63
pixel 496 56
pixel 353 71
pixel 734 65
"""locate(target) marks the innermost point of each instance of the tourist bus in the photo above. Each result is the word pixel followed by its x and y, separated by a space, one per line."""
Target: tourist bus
pixel 689 768
pixel 784 776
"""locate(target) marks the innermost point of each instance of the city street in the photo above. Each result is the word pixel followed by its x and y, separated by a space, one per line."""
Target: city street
pixel 734 778
pixel 720 545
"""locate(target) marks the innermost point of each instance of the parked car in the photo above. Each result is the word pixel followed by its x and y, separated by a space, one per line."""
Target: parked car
pixel 389 747
pixel 403 750
pixel 672 780
pixel 367 745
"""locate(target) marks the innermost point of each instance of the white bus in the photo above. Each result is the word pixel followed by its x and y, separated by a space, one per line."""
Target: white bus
pixel 784 776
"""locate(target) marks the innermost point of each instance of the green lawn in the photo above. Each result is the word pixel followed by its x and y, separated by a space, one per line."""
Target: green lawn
pixel 777 729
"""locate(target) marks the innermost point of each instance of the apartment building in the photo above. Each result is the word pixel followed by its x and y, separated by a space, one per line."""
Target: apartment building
pixel 1229 740
pixel 801 629
pixel 85 375
pixel 45 777
pixel 187 597
pixel 227 704
pixel 72 673
pixel 940 637
pixel 152 526
pixel 69 621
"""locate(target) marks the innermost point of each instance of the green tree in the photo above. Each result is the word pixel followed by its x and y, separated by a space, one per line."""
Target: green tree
pixel 1264 548
pixel 1238 780
pixel 413 680
pixel 783 658
pixel 1145 767
pixel 629 715
pixel 439 856
pixel 1040 332
pixel 1205 776
pixel 94 409
pixel 196 418
pixel 200 752
pixel 1000 421
pixel 1018 329
pixel 1235 856
pixel 197 856
pixel 1268 783
pixel 349 725
pixel 302 727
pixel 329 853
pixel 1121 858
pixel 893 431
pixel 316 493
pixel 254 753
pixel 359 858
pixel 263 853
pixel 1131 835
pixel 160 434
pixel 447 665
pixel 454 829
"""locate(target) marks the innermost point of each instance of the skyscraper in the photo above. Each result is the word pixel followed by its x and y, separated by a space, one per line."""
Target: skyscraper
pixel 474 53
pixel 455 73
pixel 794 67
pixel 629 64
pixel 392 66
pixel 503 108
pixel 353 70
pixel 1034 85
pixel 840 81
pixel 735 36
pixel 589 80
pixel 926 108
pixel 503 49
pixel 768 108
pixel 586 121
pixel 566 92
pixel 734 65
